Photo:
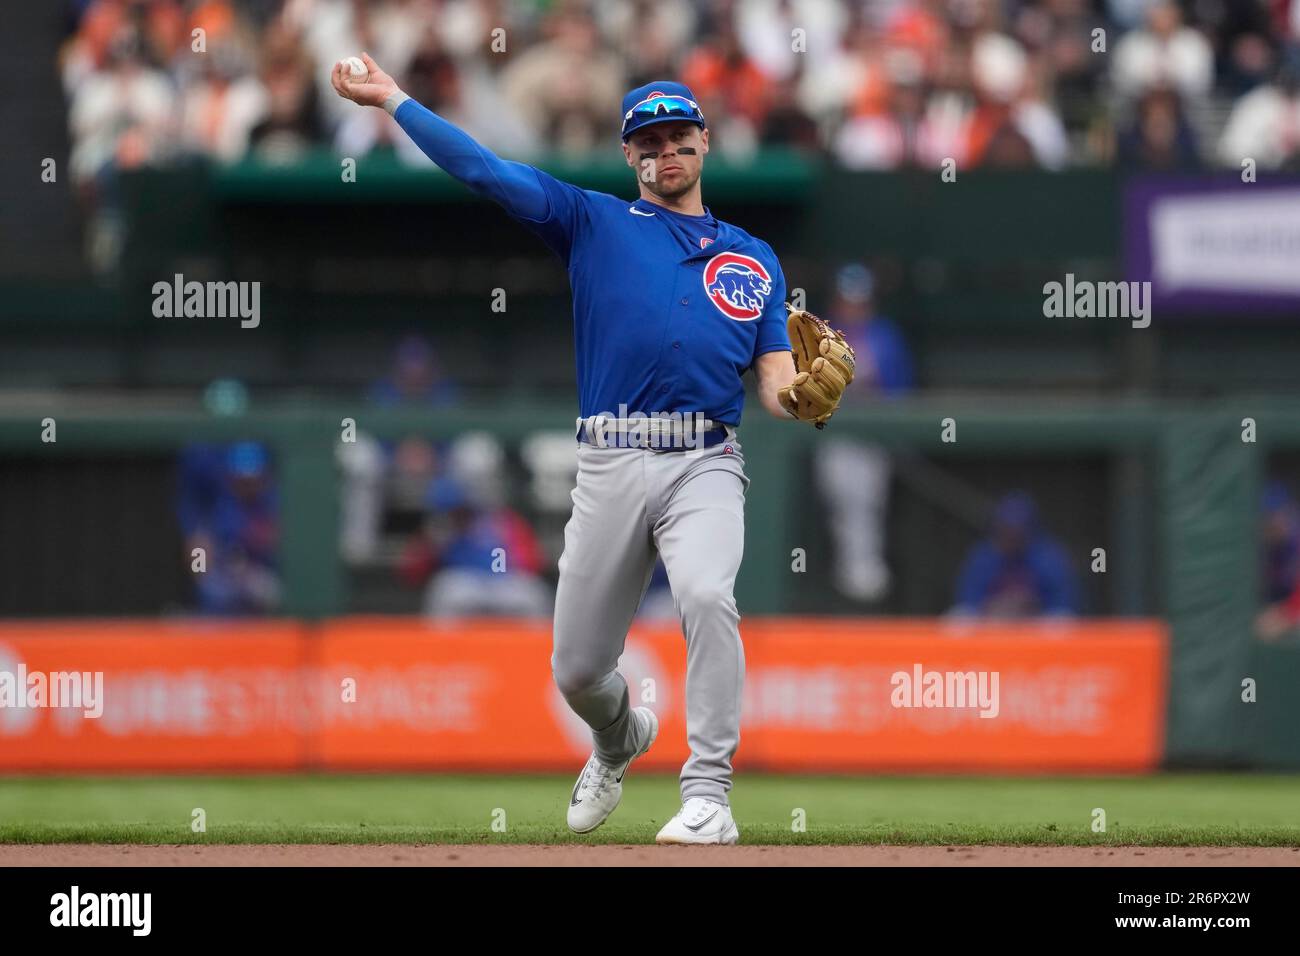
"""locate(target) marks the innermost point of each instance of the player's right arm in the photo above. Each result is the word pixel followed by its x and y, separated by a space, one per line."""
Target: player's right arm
pixel 519 188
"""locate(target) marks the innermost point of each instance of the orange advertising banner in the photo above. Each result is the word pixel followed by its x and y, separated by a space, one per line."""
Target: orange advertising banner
pixel 404 694
pixel 183 695
pixel 1037 696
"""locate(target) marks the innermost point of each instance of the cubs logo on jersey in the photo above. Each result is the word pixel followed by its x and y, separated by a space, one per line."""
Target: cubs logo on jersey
pixel 737 285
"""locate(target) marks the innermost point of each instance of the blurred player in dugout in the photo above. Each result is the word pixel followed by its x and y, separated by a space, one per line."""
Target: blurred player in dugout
pixel 228 506
pixel 1280 564
pixel 853 475
pixel 1018 570
pixel 476 555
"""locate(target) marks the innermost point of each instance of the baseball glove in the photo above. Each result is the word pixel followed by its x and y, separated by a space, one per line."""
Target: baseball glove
pixel 824 362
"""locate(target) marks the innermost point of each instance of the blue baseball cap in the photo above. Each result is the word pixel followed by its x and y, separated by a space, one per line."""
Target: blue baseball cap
pixel 659 102
pixel 855 282
pixel 247 459
pixel 1276 497
pixel 1016 511
pixel 446 494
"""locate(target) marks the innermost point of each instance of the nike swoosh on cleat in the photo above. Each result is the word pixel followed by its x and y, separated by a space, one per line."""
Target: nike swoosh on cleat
pixel 696 828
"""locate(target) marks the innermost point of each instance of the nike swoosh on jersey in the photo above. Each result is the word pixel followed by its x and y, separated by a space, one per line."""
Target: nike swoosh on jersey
pixel 637 212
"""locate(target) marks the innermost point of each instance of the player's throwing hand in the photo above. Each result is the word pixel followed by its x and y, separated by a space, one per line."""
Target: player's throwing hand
pixel 371 90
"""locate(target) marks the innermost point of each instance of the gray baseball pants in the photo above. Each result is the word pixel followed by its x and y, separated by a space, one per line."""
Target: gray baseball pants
pixel 629 505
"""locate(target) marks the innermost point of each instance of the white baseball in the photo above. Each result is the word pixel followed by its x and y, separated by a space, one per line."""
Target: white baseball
pixel 355 70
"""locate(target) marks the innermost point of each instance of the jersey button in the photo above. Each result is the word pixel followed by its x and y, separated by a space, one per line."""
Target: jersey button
pixel 685 301
pixel 677 345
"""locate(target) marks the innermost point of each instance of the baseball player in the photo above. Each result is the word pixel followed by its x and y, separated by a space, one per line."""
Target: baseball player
pixel 670 308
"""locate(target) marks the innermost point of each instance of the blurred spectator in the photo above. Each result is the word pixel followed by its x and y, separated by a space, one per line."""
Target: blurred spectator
pixel 120 118
pixel 291 124
pixel 1127 14
pixel 1008 148
pixel 462 93
pixel 734 94
pixel 827 85
pixel 121 112
pixel 1060 34
pixel 1165 52
pixel 766 32
pixel 927 28
pixel 567 87
pixel 1245 48
pixel 893 125
pixel 1281 564
pixel 228 506
pixel 484 558
pixel 1160 136
pixel 221 107
pixel 786 124
pixel 226 32
pixel 158 28
pixel 1018 570
pixel 383 476
pixel 333 29
pixel 647 34
pixel 853 476
pixel 1286 19
pixel 1265 123
pixel 465 27
pixel 1010 124
pixel 120 115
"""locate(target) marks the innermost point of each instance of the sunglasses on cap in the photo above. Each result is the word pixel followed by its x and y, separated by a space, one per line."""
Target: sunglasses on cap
pixel 661 108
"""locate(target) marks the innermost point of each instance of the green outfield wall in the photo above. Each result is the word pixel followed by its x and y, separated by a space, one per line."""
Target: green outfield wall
pixel 1201 504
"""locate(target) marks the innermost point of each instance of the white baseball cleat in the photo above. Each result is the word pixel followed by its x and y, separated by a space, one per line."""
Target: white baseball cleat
pixel 701 821
pixel 600 788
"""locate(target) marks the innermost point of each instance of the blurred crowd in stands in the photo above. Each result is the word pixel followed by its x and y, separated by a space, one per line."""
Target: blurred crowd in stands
pixel 875 84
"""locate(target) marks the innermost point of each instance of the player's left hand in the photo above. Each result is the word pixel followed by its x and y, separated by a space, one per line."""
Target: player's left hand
pixel 824 362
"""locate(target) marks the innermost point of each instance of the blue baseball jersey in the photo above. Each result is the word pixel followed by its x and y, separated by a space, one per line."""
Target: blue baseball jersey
pixel 666 316
pixel 669 310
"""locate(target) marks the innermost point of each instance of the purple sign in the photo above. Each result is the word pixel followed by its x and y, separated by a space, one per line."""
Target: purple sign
pixel 1215 243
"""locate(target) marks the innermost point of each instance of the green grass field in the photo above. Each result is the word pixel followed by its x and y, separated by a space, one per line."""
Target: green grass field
pixel 1168 810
